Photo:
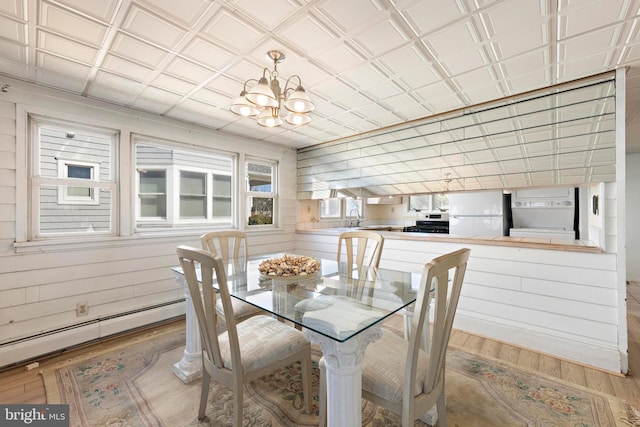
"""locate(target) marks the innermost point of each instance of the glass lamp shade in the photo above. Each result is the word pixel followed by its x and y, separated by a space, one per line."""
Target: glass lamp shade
pixel 269 118
pixel 243 107
pixel 298 118
pixel 299 101
pixel 262 95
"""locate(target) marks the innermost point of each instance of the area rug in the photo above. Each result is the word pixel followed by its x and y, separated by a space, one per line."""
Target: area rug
pixel 134 386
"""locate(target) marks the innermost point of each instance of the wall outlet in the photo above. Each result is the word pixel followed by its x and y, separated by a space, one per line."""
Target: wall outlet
pixel 82 308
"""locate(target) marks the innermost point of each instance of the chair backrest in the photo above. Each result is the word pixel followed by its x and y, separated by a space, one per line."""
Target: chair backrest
pixel 203 296
pixel 226 244
pixel 441 280
pixel 362 249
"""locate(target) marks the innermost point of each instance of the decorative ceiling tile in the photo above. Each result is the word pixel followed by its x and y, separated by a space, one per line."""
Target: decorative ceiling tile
pixel 406 106
pixel 137 50
pixel 210 97
pixel 351 14
pixel 385 90
pixel 126 68
pixel 405 58
pixel 463 61
pixel 513 17
pixel 571 70
pixel 530 38
pixel 232 32
pixel 208 54
pixel 58 80
pixel 153 28
pixel 101 10
pixel 365 76
pixel 310 35
pixel 173 84
pixel 188 70
pixel 113 88
pixel 427 16
pixel 187 12
pixel 270 13
pixel 67 48
pixel 530 81
pixel 458 37
pixel 577 17
pixel 523 64
pixel 62 66
pixel 587 44
pixel 13 54
pixel 224 85
pixel 63 21
pixel 156 99
pixel 382 38
pixel 13 8
pixel 12 30
pixel 340 58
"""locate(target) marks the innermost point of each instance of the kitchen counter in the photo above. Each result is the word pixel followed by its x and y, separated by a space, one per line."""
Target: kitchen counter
pixel 391 232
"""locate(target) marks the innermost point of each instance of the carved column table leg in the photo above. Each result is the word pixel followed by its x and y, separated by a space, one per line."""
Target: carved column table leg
pixel 189 368
pixel 343 361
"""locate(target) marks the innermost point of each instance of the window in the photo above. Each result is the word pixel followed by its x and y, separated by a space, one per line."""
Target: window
pixel 331 208
pixel 178 188
pixel 77 195
pixel 193 194
pixel 72 184
pixel 153 193
pixel 427 203
pixel 261 192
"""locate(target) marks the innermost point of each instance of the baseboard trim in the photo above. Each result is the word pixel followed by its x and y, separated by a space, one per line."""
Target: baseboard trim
pixel 27 350
pixel 599 356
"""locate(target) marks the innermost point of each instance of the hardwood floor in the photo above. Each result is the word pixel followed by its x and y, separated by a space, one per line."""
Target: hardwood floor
pixel 19 385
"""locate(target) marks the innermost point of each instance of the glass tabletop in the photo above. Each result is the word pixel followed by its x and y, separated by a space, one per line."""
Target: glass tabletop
pixel 329 302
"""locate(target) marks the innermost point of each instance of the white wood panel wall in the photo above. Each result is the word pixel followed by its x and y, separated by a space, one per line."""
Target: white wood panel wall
pixel 555 302
pixel 40 285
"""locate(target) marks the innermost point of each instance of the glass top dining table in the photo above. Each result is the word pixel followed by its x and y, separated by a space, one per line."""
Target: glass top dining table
pixel 340 312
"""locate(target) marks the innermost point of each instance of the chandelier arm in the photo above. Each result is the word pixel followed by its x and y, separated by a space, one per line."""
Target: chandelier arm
pixel 286 85
pixel 247 82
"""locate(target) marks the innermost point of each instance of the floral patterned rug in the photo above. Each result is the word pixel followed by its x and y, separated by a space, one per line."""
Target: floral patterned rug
pixel 134 386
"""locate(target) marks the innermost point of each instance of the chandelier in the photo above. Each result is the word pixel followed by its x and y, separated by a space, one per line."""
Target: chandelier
pixel 265 99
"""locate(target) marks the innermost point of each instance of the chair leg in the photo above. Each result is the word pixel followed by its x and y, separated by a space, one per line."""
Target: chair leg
pixel 238 402
pixel 322 422
pixel 204 393
pixel 306 380
pixel 407 325
pixel 441 404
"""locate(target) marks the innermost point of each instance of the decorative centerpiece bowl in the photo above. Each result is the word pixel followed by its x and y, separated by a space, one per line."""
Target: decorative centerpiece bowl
pixel 289 267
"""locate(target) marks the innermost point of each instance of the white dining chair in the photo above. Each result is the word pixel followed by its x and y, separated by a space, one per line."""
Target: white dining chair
pixel 407 377
pixel 231 246
pixel 359 251
pixel 245 351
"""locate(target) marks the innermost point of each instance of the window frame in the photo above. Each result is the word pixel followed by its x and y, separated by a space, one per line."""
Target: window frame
pixel 250 195
pixel 35 181
pixel 63 191
pixel 407 212
pixel 174 220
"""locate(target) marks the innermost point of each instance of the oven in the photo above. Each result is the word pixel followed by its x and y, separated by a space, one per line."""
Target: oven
pixel 433 223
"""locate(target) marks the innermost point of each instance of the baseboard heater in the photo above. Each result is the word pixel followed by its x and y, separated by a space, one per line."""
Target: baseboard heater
pixel 48 344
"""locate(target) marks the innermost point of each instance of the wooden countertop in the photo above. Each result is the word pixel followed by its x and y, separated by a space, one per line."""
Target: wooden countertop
pixel 520 242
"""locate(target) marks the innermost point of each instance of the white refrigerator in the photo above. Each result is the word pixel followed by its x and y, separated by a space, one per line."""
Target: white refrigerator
pixel 477 213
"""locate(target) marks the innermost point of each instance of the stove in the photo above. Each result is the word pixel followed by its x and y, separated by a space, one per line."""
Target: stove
pixel 433 223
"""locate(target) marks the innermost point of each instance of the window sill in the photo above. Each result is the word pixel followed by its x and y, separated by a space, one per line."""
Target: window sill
pixel 140 238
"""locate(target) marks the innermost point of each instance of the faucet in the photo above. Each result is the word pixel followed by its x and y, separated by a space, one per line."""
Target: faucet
pixel 357 222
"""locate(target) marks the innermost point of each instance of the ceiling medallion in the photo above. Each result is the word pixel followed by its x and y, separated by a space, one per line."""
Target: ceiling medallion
pixel 265 99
